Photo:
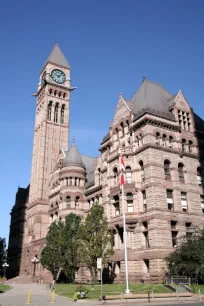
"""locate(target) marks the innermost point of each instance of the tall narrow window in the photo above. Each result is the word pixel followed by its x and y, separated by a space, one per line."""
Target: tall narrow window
pixel 144 201
pixel 181 172
pixel 130 202
pixel 164 140
pixel 199 177
pixel 167 173
pixel 184 203
pixel 56 113
pixel 174 238
pixel 115 174
pixel 128 175
pixel 157 137
pixel 146 263
pixel 142 170
pixel 146 235
pixel 170 202
pixel 62 114
pixel 77 202
pixel 183 145
pixel 202 203
pixel 170 141
pixel 190 146
pixel 68 202
pixel 188 230
pixel 49 111
pixel 116 205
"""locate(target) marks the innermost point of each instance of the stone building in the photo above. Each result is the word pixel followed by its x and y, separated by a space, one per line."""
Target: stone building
pixel 161 140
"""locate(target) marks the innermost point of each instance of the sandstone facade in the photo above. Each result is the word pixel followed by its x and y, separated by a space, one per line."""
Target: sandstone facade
pixel 161 140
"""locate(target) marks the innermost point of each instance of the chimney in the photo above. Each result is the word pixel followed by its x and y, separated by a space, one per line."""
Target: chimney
pixel 143 79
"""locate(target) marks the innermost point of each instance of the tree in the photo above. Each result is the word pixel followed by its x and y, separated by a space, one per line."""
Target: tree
pixel 188 258
pixel 96 238
pixel 2 254
pixel 70 259
pixel 51 256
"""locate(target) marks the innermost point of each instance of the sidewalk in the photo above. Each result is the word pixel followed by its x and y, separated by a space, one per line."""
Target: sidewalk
pixel 41 296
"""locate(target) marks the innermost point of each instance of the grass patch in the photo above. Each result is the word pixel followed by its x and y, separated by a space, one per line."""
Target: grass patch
pixel 108 289
pixel 3 288
pixel 196 288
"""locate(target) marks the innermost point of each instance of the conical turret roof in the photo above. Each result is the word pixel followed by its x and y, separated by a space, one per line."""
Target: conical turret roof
pixel 73 157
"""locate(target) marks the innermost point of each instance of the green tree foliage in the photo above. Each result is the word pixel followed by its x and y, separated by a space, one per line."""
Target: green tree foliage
pixel 96 238
pixel 71 246
pixel 62 246
pixel 188 258
pixel 2 254
pixel 51 256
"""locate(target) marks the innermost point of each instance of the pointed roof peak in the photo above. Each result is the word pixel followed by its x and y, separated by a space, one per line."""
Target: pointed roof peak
pixel 57 57
pixel 73 157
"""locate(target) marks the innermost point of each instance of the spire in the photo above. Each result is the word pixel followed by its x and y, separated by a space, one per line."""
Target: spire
pixel 57 57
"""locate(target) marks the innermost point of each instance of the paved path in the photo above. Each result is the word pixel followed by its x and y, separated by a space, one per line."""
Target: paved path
pixel 41 296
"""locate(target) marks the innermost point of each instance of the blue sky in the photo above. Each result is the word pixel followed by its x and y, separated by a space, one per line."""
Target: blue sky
pixel 110 45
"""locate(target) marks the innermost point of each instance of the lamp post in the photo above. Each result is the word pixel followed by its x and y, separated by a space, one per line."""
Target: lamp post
pixel 5 266
pixel 34 261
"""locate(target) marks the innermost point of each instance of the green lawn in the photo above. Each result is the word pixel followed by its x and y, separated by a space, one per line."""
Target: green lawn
pixel 108 289
pixel 4 288
pixel 197 287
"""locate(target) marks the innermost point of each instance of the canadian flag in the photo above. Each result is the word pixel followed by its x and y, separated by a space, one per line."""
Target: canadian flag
pixel 122 168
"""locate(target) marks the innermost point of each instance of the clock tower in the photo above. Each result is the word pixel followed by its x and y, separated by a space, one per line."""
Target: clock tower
pixel 51 122
pixel 50 135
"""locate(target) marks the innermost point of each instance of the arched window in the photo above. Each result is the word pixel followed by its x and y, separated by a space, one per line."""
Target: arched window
pixel 170 141
pixel 77 202
pixel 181 172
pixel 164 139
pixel 68 202
pixel 157 137
pixel 167 170
pixel 115 174
pixel 129 202
pixel 190 146
pixel 117 135
pixel 142 170
pixel 116 205
pixel 62 114
pixel 56 113
pixel 49 111
pixel 128 175
pixel 183 145
pixel 199 177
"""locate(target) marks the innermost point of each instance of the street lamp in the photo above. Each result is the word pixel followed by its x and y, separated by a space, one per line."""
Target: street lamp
pixel 34 261
pixel 5 266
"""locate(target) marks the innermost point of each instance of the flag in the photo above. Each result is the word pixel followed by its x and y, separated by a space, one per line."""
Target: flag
pixel 122 167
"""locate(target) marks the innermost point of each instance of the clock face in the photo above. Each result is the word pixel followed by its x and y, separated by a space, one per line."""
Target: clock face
pixel 58 76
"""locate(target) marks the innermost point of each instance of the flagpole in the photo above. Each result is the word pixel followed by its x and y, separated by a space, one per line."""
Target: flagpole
pixel 125 242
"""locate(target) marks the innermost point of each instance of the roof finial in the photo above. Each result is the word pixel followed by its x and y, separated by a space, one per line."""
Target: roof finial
pixel 143 79
pixel 73 140
pixel 120 95
pixel 56 42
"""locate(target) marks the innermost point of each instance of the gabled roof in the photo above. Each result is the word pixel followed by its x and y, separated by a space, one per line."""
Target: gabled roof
pixel 152 98
pixel 57 57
